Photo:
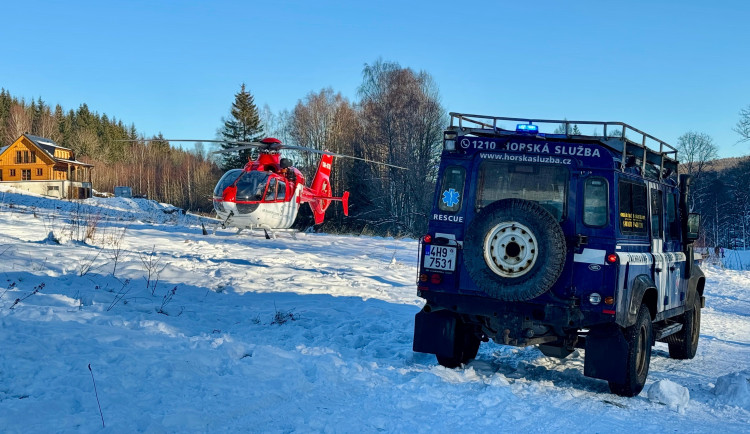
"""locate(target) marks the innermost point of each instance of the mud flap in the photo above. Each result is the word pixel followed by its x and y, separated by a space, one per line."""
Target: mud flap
pixel 435 333
pixel 606 354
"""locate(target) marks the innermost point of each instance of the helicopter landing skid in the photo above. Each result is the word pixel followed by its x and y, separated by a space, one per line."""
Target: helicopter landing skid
pixel 224 223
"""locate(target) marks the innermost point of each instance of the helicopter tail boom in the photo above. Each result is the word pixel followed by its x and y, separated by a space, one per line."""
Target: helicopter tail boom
pixel 321 190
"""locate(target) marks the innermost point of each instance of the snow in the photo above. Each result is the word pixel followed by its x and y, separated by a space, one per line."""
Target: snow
pixel 239 333
pixel 669 393
pixel 732 259
pixel 736 259
pixel 734 389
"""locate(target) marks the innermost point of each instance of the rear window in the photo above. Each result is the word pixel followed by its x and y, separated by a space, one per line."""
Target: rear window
pixel 545 185
pixel 452 189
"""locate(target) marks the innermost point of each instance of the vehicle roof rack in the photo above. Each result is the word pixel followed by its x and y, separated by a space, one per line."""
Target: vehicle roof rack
pixel 629 143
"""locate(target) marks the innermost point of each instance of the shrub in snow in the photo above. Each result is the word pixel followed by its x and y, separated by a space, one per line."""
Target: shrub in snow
pixel 670 394
pixel 283 317
pixel 734 389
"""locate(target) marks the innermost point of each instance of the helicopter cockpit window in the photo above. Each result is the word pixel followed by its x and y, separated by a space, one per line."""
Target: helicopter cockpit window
pixel 271 192
pixel 226 180
pixel 251 185
pixel 281 190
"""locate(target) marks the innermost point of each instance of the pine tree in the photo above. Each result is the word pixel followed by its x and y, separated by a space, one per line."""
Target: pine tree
pixel 572 130
pixel 243 125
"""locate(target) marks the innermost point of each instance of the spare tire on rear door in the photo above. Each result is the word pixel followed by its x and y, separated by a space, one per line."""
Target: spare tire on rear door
pixel 514 250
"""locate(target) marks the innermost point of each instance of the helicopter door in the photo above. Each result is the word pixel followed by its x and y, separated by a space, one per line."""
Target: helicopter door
pixel 271 190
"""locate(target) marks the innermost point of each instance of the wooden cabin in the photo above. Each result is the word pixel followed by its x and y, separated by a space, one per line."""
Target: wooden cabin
pixel 34 158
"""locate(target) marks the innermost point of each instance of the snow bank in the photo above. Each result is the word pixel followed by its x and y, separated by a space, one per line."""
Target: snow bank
pixel 734 389
pixel 105 209
pixel 670 394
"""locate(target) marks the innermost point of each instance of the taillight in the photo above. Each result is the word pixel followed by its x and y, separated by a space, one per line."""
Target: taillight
pixel 436 279
pixel 611 258
pixel 423 278
pixel 427 239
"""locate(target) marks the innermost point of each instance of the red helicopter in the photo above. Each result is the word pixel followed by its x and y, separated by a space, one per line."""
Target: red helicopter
pixel 267 192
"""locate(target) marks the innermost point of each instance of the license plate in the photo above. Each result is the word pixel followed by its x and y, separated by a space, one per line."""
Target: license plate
pixel 440 258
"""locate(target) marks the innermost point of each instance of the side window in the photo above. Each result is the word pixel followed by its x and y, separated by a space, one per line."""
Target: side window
pixel 281 191
pixel 271 192
pixel 595 201
pixel 452 189
pixel 633 208
pixel 657 210
pixel 673 225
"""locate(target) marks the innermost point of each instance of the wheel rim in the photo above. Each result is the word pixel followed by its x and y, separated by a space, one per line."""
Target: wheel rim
pixel 640 361
pixel 510 249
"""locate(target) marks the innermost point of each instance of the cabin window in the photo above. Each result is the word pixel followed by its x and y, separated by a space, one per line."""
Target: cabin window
pixel 12 172
pixel 39 172
pixel 1 174
pixel 545 185
pixel 25 174
pixel 452 190
pixel 271 191
pixel 673 225
pixel 633 208
pixel 19 157
pixel 33 156
pixel 281 191
pixel 657 210
pixel 595 202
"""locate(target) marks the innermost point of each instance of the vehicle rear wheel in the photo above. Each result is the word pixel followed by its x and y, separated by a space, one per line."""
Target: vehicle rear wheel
pixel 464 350
pixel 514 250
pixel 639 338
pixel 684 344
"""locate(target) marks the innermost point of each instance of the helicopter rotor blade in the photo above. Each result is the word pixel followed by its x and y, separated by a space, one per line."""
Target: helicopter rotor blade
pixel 316 151
pixel 251 145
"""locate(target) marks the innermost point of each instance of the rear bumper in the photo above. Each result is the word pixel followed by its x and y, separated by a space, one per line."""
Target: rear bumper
pixel 519 323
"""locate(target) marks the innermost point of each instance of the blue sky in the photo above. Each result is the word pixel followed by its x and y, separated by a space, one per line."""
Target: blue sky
pixel 666 67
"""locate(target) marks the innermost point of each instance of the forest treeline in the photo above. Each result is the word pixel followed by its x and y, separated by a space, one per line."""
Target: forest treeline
pixel 397 119
pixel 722 198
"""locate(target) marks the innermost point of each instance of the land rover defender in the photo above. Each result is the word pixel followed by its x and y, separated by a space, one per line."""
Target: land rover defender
pixel 561 240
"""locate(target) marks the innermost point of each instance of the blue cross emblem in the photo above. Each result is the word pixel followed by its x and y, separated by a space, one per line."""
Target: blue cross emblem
pixel 450 197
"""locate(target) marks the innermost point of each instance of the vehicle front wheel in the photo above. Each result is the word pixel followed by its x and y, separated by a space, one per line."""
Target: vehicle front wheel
pixel 684 344
pixel 639 339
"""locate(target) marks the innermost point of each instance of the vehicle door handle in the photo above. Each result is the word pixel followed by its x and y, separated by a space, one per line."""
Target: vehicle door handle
pixel 657 269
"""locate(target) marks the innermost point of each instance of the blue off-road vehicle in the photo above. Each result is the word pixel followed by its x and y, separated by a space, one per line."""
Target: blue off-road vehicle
pixel 560 240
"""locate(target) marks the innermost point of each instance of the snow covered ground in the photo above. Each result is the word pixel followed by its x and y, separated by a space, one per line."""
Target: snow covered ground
pixel 239 333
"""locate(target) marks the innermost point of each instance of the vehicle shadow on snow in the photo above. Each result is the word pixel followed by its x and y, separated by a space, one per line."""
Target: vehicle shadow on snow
pixel 529 364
